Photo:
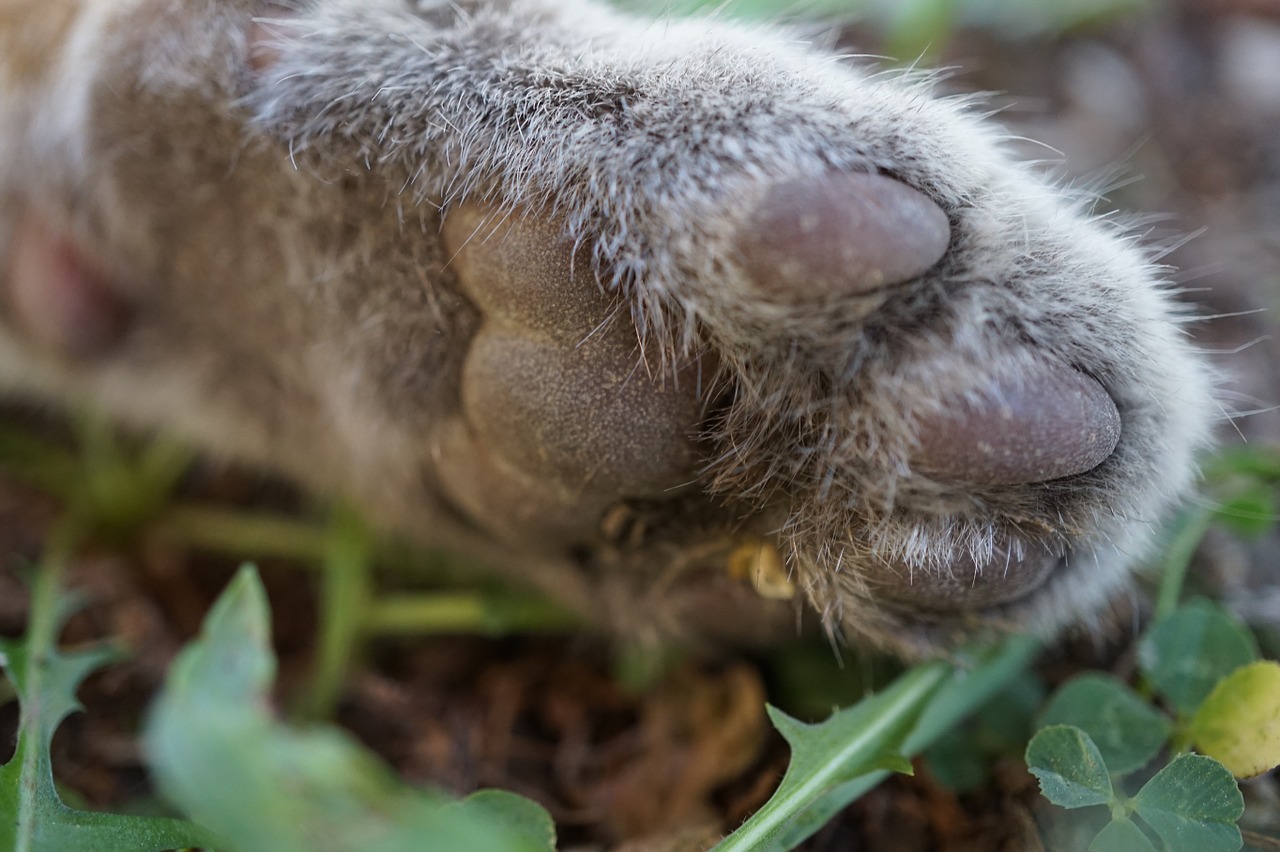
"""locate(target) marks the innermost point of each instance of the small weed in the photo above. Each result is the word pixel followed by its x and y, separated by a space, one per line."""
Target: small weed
pixel 218 753
pixel 33 817
pixel 1212 693
pixel 1201 685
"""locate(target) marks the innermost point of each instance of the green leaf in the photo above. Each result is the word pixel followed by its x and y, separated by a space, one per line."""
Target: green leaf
pixel 516 814
pixel 32 816
pixel 1186 654
pixel 39 462
pixel 1193 804
pixel 1251 461
pixel 1239 724
pixel 1121 835
pixel 1071 771
pixel 961 759
pixel 967 688
pixel 852 743
pixel 219 753
pixel 1249 513
pixel 1127 730
pixel 1013 18
pixel 120 487
pixel 920 28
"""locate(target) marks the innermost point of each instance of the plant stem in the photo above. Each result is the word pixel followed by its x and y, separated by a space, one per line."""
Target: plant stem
pixel 251 536
pixel 1178 559
pixel 345 593
pixel 465 612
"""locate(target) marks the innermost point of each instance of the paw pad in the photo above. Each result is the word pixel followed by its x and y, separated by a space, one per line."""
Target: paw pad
pixel 1011 572
pixel 554 386
pixel 845 234
pixel 1052 423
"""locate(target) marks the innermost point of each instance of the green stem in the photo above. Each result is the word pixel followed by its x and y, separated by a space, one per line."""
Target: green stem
pixel 1178 558
pixel 344 599
pixel 251 536
pixel 464 612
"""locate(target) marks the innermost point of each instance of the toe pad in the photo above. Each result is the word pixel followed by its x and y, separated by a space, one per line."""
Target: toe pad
pixel 839 235
pixel 1054 423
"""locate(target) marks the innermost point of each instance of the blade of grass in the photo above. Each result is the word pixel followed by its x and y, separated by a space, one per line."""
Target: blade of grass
pixel 1190 529
pixel 464 612
pixel 344 598
pixel 256 536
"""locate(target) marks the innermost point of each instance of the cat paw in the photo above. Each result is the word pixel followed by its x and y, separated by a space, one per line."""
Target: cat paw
pixel 945 441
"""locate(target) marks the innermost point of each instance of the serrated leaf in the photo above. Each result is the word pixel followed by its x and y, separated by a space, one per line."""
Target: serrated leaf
pixel 1185 655
pixel 1239 723
pixel 1193 804
pixel 219 753
pixel 967 688
pixel 855 741
pixel 1127 730
pixel 33 817
pixel 1121 835
pixel 1069 767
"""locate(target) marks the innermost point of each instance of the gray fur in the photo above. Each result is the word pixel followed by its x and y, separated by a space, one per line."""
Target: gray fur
pixel 280 232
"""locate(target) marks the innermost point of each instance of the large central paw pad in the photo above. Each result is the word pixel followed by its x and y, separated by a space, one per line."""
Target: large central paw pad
pixel 561 417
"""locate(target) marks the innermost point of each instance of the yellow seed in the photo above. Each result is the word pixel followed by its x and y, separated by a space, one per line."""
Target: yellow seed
pixel 760 563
